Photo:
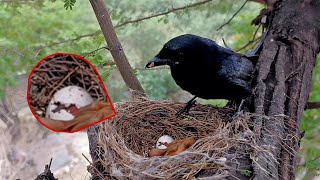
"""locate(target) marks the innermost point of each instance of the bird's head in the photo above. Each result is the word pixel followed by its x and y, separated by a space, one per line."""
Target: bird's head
pixel 181 50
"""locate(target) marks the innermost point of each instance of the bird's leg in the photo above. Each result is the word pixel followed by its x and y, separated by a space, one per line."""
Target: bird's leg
pixel 240 106
pixel 239 111
pixel 232 104
pixel 187 108
pixel 256 50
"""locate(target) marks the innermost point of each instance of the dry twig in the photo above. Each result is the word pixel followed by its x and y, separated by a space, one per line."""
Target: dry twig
pixel 234 15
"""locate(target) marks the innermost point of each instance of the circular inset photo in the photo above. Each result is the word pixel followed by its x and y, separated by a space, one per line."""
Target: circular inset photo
pixel 67 94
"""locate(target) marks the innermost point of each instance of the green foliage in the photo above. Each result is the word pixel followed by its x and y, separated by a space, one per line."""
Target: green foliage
pixel 151 80
pixel 246 173
pixel 69 4
pixel 98 39
pixel 310 124
pixel 313 166
pixel 217 102
pixel 105 73
pixel 32 29
pixel 97 58
pixel 104 66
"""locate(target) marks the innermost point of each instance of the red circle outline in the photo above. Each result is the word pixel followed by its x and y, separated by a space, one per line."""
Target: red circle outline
pixel 100 79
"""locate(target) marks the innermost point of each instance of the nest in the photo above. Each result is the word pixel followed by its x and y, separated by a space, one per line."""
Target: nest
pixel 58 71
pixel 119 146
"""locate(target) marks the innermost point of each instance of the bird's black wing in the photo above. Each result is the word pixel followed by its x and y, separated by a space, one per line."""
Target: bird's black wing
pixel 254 54
pixel 237 72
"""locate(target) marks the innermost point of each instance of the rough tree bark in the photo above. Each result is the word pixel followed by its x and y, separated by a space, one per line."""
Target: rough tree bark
pixel 114 45
pixel 283 85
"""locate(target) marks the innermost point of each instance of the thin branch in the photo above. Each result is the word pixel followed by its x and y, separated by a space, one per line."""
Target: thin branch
pixel 312 105
pixel 171 10
pixel 252 40
pixel 50 163
pixel 248 44
pixel 67 41
pixel 87 159
pixel 255 33
pixel 95 51
pixel 234 15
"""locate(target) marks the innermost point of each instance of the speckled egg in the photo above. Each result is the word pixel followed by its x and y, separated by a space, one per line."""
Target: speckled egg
pixel 162 140
pixel 68 96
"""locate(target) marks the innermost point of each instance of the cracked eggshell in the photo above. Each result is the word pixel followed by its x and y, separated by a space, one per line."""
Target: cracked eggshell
pixel 163 139
pixel 68 95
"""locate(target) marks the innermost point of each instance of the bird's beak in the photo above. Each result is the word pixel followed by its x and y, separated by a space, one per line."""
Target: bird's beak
pixel 157 62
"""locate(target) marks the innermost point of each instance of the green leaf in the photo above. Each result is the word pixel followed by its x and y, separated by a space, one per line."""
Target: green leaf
pixel 165 20
pixel 106 72
pixel 246 173
pixel 98 39
pixel 69 4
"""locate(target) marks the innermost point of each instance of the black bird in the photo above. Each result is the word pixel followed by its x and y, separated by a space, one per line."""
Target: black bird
pixel 205 69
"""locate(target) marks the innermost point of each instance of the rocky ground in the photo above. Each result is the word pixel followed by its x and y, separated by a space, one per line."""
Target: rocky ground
pixel 25 156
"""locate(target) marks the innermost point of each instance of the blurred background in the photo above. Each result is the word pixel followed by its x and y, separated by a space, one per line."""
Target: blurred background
pixel 33 29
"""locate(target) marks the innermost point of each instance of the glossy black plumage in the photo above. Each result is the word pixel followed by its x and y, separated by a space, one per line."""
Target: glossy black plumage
pixel 205 69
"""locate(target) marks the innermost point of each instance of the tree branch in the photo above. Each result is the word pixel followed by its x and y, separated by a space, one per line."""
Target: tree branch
pixel 254 39
pixel 312 105
pixel 234 15
pixel 114 45
pixel 248 44
pixel 171 10
pixel 92 53
pixel 67 40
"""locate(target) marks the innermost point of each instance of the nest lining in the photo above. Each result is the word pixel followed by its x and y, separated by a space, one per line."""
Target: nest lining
pixel 123 142
pixel 57 72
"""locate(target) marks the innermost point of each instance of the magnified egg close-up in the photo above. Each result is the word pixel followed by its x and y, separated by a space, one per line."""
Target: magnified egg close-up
pixel 66 93
pixel 66 102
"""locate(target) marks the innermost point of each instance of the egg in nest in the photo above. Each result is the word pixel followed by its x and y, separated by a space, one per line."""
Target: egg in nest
pixel 66 101
pixel 163 141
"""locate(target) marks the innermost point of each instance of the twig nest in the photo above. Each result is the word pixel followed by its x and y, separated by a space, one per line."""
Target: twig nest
pixel 119 147
pixel 66 101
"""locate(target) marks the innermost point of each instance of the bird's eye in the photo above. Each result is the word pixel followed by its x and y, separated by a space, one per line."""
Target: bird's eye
pixel 180 53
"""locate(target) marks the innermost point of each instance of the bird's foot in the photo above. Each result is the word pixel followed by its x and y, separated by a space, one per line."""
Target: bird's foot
pixel 231 104
pixel 186 109
pixel 240 106
pixel 234 115
pixel 238 111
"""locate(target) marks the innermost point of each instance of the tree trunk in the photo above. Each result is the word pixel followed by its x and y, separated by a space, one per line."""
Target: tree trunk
pixel 283 85
pixel 114 45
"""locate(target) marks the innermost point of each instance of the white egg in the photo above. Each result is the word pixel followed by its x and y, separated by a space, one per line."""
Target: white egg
pixel 67 96
pixel 163 139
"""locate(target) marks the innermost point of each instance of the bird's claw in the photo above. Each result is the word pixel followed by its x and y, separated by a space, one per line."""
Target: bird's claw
pixel 186 109
pixel 239 111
